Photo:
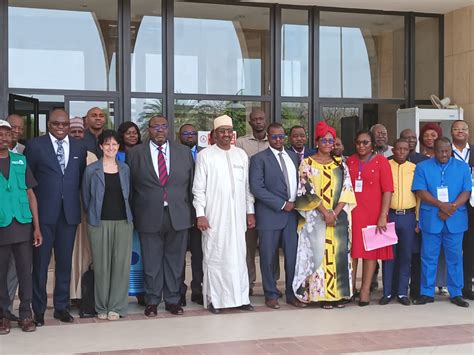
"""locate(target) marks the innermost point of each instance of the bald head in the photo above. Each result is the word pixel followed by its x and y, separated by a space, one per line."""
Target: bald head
pixel 258 121
pixel 95 120
pixel 18 128
pixel 410 136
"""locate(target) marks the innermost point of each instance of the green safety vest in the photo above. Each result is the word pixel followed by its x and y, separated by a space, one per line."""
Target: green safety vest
pixel 13 196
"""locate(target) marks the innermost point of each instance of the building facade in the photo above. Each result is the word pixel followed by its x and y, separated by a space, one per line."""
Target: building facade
pixel 194 60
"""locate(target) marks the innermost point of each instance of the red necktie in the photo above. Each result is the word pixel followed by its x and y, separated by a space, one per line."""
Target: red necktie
pixel 162 171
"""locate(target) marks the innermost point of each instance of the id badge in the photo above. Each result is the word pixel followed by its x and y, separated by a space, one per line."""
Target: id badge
pixel 358 186
pixel 443 194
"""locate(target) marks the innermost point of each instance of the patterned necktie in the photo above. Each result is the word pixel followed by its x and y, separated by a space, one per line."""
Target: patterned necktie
pixel 162 171
pixel 60 155
pixel 285 174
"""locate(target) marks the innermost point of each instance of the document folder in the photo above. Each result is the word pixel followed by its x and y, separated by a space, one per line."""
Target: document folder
pixel 374 240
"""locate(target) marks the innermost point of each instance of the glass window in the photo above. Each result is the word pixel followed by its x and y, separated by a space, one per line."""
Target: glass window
pixel 62 44
pixel 294 53
pixel 221 49
pixel 294 114
pixel 146 56
pixel 361 55
pixel 426 57
pixel 143 110
pixel 78 108
pixel 201 113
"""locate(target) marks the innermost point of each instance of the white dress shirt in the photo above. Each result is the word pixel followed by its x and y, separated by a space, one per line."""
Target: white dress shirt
pixel 463 154
pixel 65 147
pixel 290 167
pixel 154 158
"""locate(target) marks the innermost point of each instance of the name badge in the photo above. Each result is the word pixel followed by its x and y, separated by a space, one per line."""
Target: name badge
pixel 358 186
pixel 443 194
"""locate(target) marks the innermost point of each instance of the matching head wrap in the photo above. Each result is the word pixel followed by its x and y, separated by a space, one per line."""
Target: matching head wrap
pixel 322 128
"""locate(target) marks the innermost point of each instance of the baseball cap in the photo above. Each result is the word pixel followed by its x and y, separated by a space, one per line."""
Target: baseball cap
pixel 4 123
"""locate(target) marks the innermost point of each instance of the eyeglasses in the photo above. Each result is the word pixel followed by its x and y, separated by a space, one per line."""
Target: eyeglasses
pixel 225 130
pixel 159 127
pixel 188 133
pixel 278 136
pixel 327 140
pixel 460 129
pixel 365 142
pixel 59 124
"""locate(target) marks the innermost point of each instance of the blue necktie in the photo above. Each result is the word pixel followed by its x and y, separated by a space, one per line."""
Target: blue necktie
pixel 60 155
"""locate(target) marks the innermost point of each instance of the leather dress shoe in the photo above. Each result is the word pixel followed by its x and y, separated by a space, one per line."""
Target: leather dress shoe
pixel 404 300
pixel 273 304
pixel 468 294
pixel 423 300
pixel 151 310
pixel 4 326
pixel 63 316
pixel 458 301
pixel 175 309
pixel 27 325
pixel 197 298
pixel 295 303
pixel 247 307
pixel 11 317
pixel 182 301
pixel 385 300
pixel 363 303
pixel 39 319
pixel 213 310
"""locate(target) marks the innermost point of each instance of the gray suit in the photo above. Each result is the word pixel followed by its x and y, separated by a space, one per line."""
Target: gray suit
pixel 163 230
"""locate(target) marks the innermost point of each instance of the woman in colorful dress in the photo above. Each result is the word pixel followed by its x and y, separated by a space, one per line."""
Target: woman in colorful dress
pixel 325 200
pixel 372 179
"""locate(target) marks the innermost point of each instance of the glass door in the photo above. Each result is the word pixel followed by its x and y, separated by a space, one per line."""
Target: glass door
pixel 346 119
pixel 28 108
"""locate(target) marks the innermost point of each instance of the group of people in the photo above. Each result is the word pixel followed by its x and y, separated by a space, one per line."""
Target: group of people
pixel 92 194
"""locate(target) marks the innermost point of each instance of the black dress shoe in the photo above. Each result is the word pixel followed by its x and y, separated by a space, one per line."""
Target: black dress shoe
pixel 404 301
pixel 151 310
pixel 11 317
pixel 39 319
pixel 468 294
pixel 423 300
pixel 182 301
pixel 363 303
pixel 213 310
pixel 385 300
pixel 63 316
pixel 175 309
pixel 247 307
pixel 197 298
pixel 458 301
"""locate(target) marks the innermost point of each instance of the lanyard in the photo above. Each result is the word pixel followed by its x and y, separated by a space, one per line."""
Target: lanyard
pixel 443 169
pixel 362 166
pixel 466 156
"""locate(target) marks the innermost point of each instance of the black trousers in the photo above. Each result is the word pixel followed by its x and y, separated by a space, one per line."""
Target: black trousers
pixel 163 258
pixel 195 247
pixel 22 253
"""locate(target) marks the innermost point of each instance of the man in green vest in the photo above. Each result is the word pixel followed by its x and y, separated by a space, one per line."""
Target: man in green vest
pixel 18 225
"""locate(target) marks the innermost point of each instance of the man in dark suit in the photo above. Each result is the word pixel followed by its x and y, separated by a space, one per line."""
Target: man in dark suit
pixel 188 137
pixel 298 139
pixel 57 164
pixel 462 151
pixel 273 179
pixel 162 174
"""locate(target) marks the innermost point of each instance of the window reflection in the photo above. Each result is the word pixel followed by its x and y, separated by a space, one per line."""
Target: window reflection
pixel 146 56
pixel 72 46
pixel 361 55
pixel 294 114
pixel 294 53
pixel 203 112
pixel 221 49
pixel 143 110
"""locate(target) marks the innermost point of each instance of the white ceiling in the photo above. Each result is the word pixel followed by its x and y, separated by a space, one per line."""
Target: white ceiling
pixel 432 6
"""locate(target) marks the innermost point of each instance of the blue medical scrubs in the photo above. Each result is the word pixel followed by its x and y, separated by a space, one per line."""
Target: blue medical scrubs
pixel 429 176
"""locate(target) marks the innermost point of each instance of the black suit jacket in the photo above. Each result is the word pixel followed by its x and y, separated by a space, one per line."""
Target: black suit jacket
pixel 147 191
pixel 55 190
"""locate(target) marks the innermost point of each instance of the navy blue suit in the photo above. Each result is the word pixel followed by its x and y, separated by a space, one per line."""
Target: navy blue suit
pixel 59 209
pixel 268 185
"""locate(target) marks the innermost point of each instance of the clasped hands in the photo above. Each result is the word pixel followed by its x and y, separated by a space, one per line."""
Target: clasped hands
pixel 446 210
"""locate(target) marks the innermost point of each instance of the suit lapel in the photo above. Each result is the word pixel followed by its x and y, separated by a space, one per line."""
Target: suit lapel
pixel 149 162
pixel 276 165
pixel 49 150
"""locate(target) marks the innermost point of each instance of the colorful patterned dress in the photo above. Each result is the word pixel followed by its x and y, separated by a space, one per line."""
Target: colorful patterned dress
pixel 323 269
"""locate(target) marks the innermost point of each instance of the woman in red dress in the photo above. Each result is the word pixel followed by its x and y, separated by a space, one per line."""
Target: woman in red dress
pixel 371 178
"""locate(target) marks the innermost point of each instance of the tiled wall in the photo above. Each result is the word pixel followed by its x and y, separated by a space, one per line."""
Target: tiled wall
pixel 459 61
